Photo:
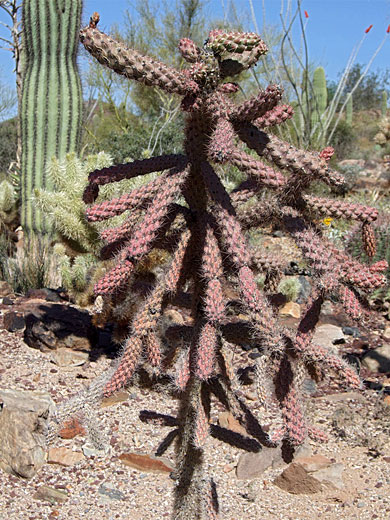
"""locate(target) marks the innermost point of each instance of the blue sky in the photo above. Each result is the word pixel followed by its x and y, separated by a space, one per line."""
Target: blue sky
pixel 334 28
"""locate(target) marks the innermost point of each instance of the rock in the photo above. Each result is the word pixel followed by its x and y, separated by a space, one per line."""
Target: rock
pixel 66 357
pixel 64 456
pixel 253 465
pixel 295 479
pixel 147 463
pixel 71 429
pixel 111 492
pixel 309 386
pixel 5 288
pixel 23 422
pixel 226 420
pixel 291 309
pixel 343 396
pixel 331 476
pixel 50 495
pixel 7 301
pixel 386 334
pixel 326 335
pixel 305 289
pixel 378 360
pixel 13 321
pixel 351 331
pixel 89 450
pixel 53 325
pixel 118 397
pixel 314 462
pixel 49 295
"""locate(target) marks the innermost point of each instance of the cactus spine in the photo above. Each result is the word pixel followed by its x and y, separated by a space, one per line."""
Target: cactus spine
pixel 51 107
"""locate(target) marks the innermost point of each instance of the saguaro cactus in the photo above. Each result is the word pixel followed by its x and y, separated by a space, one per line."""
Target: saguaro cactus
pixel 320 94
pixel 384 103
pixel 349 110
pixel 51 107
pixel 210 252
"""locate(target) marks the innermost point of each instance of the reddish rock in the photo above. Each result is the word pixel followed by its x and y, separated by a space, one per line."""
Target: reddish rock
pixel 226 420
pixel 295 479
pixel 291 309
pixel 118 397
pixel 71 429
pixel 64 456
pixel 146 463
pixel 314 463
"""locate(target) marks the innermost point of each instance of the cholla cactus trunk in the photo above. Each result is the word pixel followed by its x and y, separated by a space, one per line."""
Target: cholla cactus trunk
pixel 209 251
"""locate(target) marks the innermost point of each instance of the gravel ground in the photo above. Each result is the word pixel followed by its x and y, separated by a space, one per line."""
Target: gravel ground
pixel 104 488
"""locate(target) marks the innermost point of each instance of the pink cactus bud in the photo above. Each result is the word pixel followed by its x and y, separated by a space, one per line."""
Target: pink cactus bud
pixel 327 153
pixel 189 50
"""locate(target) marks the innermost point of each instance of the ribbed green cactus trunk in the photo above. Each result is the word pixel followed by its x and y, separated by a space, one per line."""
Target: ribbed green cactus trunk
pixel 51 108
pixel 320 94
pixel 349 111
pixel 384 103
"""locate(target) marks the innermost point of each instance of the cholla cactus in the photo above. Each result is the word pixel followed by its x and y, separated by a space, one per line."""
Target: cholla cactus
pixel 8 203
pixel 187 211
pixel 80 244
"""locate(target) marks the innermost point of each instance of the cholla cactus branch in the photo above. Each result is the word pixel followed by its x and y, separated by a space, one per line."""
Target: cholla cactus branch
pixel 133 200
pixel 119 172
pixel 257 106
pixel 275 116
pixel 368 239
pixel 341 209
pixel 132 64
pixel 286 156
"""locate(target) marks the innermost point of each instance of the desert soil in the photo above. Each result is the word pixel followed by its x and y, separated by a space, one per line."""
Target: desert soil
pixel 100 488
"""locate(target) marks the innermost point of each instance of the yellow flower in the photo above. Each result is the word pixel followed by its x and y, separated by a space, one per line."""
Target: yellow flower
pixel 327 221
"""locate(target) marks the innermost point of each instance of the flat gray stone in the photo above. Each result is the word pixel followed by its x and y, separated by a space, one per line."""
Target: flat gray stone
pixel 325 335
pixel 253 465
